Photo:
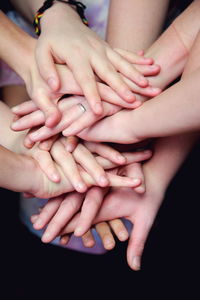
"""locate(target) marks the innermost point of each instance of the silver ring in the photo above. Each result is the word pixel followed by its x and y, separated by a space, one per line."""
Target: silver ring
pixel 82 107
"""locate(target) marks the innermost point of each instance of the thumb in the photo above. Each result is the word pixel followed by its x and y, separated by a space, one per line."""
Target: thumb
pixel 136 244
pixel 46 67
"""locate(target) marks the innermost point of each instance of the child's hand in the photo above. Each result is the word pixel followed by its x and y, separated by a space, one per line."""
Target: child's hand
pixel 83 158
pixel 58 211
pixel 118 128
pixel 141 210
pixel 76 115
pixel 68 41
pixel 105 230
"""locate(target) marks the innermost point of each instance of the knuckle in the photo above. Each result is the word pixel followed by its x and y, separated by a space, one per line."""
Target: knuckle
pixel 69 205
pixel 139 247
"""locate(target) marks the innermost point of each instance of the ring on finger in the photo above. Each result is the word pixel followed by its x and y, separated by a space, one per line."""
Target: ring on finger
pixel 82 107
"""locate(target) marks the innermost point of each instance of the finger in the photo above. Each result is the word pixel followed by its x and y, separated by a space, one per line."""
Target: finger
pixel 106 72
pixel 136 171
pixel 64 239
pixel 46 67
pixel 106 235
pixel 119 229
pixel 85 158
pixel 120 181
pixel 24 108
pixel 47 144
pixel 90 207
pixel 110 96
pixel 134 58
pixel 47 165
pixel 70 143
pixel 68 207
pixel 69 167
pixel 127 69
pixel 85 77
pixel 33 218
pixel 148 70
pixel 48 107
pixel 88 239
pixel 47 212
pixel 130 157
pixel 71 225
pixel 86 120
pixel 70 116
pixel 146 91
pixel 31 120
pixel 106 152
pixel 136 244
pixel 27 141
pixel 28 195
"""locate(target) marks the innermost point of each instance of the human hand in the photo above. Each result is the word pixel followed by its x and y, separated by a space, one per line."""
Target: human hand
pixel 118 128
pixel 58 211
pixel 105 230
pixel 85 53
pixel 140 209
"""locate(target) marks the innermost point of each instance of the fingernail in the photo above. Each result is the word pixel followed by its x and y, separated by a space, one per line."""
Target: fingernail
pixel 108 243
pixel 55 177
pixel 98 108
pixel 136 263
pixel 143 81
pixel 155 89
pixel 69 147
pixel 103 180
pixel 78 231
pixel 81 187
pixel 136 181
pixel 121 159
pixel 52 83
pixel 137 103
pixel 140 189
pixel 33 135
pixel 15 109
pixel 38 223
pixel 129 95
pixel 33 219
pixel 15 123
pixel 46 236
pixel 123 235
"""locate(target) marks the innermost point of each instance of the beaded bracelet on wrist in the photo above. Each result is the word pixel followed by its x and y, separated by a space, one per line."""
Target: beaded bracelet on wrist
pixel 80 8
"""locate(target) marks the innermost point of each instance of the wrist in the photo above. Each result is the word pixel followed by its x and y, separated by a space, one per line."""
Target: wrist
pixel 56 13
pixel 137 123
pixel 171 54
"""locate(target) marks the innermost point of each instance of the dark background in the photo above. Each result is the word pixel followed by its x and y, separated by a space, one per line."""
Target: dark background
pixel 170 259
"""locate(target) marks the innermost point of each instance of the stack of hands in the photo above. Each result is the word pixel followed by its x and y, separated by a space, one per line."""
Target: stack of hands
pixel 86 180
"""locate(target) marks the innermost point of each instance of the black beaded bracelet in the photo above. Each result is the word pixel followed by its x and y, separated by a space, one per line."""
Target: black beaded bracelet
pixel 80 8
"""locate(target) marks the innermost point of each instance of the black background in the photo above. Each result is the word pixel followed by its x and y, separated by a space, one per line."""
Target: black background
pixel 170 260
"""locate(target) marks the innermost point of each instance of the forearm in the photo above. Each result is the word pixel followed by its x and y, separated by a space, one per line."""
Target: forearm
pixel 169 154
pixel 27 8
pixel 171 50
pixel 16 171
pixel 137 27
pixel 15 46
pixel 175 111
pixel 8 137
